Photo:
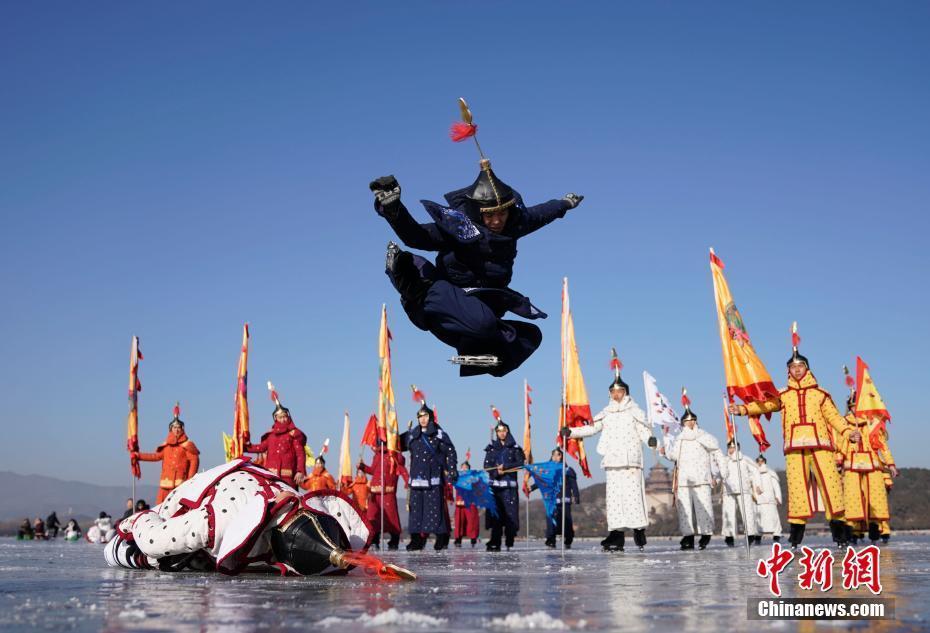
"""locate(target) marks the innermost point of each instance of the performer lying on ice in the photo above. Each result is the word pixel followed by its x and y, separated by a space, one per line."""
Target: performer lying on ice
pixel 237 516
pixel 463 297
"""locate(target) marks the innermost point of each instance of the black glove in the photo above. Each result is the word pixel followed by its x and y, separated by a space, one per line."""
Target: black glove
pixel 653 442
pixel 387 193
pixel 573 199
pixel 565 432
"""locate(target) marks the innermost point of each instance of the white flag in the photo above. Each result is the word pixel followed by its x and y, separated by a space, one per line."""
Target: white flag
pixel 660 410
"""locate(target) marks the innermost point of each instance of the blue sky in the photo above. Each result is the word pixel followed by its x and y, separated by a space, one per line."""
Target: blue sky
pixel 172 171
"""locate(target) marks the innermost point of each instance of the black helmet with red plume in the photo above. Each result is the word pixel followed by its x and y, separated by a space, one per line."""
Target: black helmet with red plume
pixel 616 366
pixel 177 416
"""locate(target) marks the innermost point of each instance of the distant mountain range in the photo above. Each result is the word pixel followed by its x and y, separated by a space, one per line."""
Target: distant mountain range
pixel 37 496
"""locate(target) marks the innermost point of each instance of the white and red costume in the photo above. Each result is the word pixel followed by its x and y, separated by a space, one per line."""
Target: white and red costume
pixel 222 519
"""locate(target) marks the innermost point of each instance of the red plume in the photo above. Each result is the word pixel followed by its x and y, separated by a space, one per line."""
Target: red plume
pixel 418 396
pixel 795 337
pixel 468 455
pixel 850 381
pixel 461 131
pixel 177 410
pixel 495 413
pixel 274 394
pixel 372 565
pixel 685 400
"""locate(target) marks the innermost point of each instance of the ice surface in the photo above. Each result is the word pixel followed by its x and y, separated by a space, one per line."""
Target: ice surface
pixel 67 586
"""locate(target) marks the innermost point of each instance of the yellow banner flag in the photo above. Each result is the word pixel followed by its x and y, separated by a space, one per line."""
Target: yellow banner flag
pixel 869 403
pixel 387 415
pixel 345 456
pixel 132 421
pixel 228 447
pixel 240 434
pixel 746 376
pixel 575 409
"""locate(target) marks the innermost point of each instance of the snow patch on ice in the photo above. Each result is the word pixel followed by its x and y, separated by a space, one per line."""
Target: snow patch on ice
pixel 571 569
pixel 391 617
pixel 538 620
pixel 656 561
pixel 132 614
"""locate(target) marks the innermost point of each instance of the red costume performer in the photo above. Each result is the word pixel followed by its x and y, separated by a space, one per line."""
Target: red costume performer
pixel 358 490
pixel 385 494
pixel 283 447
pixel 467 519
pixel 179 457
pixel 319 478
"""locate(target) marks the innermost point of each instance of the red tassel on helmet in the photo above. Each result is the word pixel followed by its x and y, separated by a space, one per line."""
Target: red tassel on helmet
pixel 495 413
pixel 418 396
pixel 177 410
pixel 274 394
pixel 461 131
pixel 685 400
pixel 795 337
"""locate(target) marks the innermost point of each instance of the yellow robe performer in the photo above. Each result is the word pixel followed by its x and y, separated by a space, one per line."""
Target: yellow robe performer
pixel 811 426
pixel 864 477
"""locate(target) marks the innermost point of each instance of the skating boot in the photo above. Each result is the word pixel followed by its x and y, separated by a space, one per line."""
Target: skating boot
pixel 705 539
pixel 687 542
pixel 639 537
pixel 729 541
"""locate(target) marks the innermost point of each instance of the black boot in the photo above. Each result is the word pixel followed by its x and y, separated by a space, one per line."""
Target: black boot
pixel 729 541
pixel 473 541
pixel 442 542
pixel 508 541
pixel 614 541
pixel 687 542
pixel 796 535
pixel 404 274
pixel 458 542
pixel 886 538
pixel 838 531
pixel 776 538
pixel 874 533
pixel 394 542
pixel 705 539
pixel 639 537
pixel 757 539
pixel 550 542
pixel 849 534
pixel 417 542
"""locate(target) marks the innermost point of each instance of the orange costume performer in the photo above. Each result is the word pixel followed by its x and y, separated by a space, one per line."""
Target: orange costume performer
pixel 359 490
pixel 179 457
pixel 319 479
pixel 812 429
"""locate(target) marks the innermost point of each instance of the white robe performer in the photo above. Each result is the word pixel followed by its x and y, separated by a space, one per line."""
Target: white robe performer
pixel 228 518
pixel 768 501
pixel 692 453
pixel 623 430
pixel 732 498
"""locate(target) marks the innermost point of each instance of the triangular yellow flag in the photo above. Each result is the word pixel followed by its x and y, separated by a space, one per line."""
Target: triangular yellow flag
pixel 869 403
pixel 345 456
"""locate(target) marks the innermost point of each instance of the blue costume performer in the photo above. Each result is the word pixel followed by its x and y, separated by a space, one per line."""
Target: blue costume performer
pixel 502 458
pixel 463 297
pixel 572 497
pixel 432 464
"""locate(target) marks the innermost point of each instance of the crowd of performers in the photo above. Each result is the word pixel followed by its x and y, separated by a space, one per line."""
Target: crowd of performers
pixel 834 465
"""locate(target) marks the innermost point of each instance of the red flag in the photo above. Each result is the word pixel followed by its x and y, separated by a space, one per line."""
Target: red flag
pixel 370 436
pixel 755 427
pixel 728 421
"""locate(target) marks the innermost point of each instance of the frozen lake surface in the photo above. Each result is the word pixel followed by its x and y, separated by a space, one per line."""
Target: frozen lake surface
pixel 67 586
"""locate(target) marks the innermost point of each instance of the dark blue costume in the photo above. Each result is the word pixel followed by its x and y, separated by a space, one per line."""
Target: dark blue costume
pixel 572 496
pixel 468 293
pixel 432 463
pixel 504 486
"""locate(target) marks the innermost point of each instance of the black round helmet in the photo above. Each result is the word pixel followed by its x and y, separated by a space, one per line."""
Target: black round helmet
pixel 309 543
pixel 619 384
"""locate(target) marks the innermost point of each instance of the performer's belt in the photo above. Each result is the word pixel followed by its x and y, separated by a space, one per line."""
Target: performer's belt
pixel 422 482
pixel 503 483
pixel 284 472
pixel 170 484
pixel 386 489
